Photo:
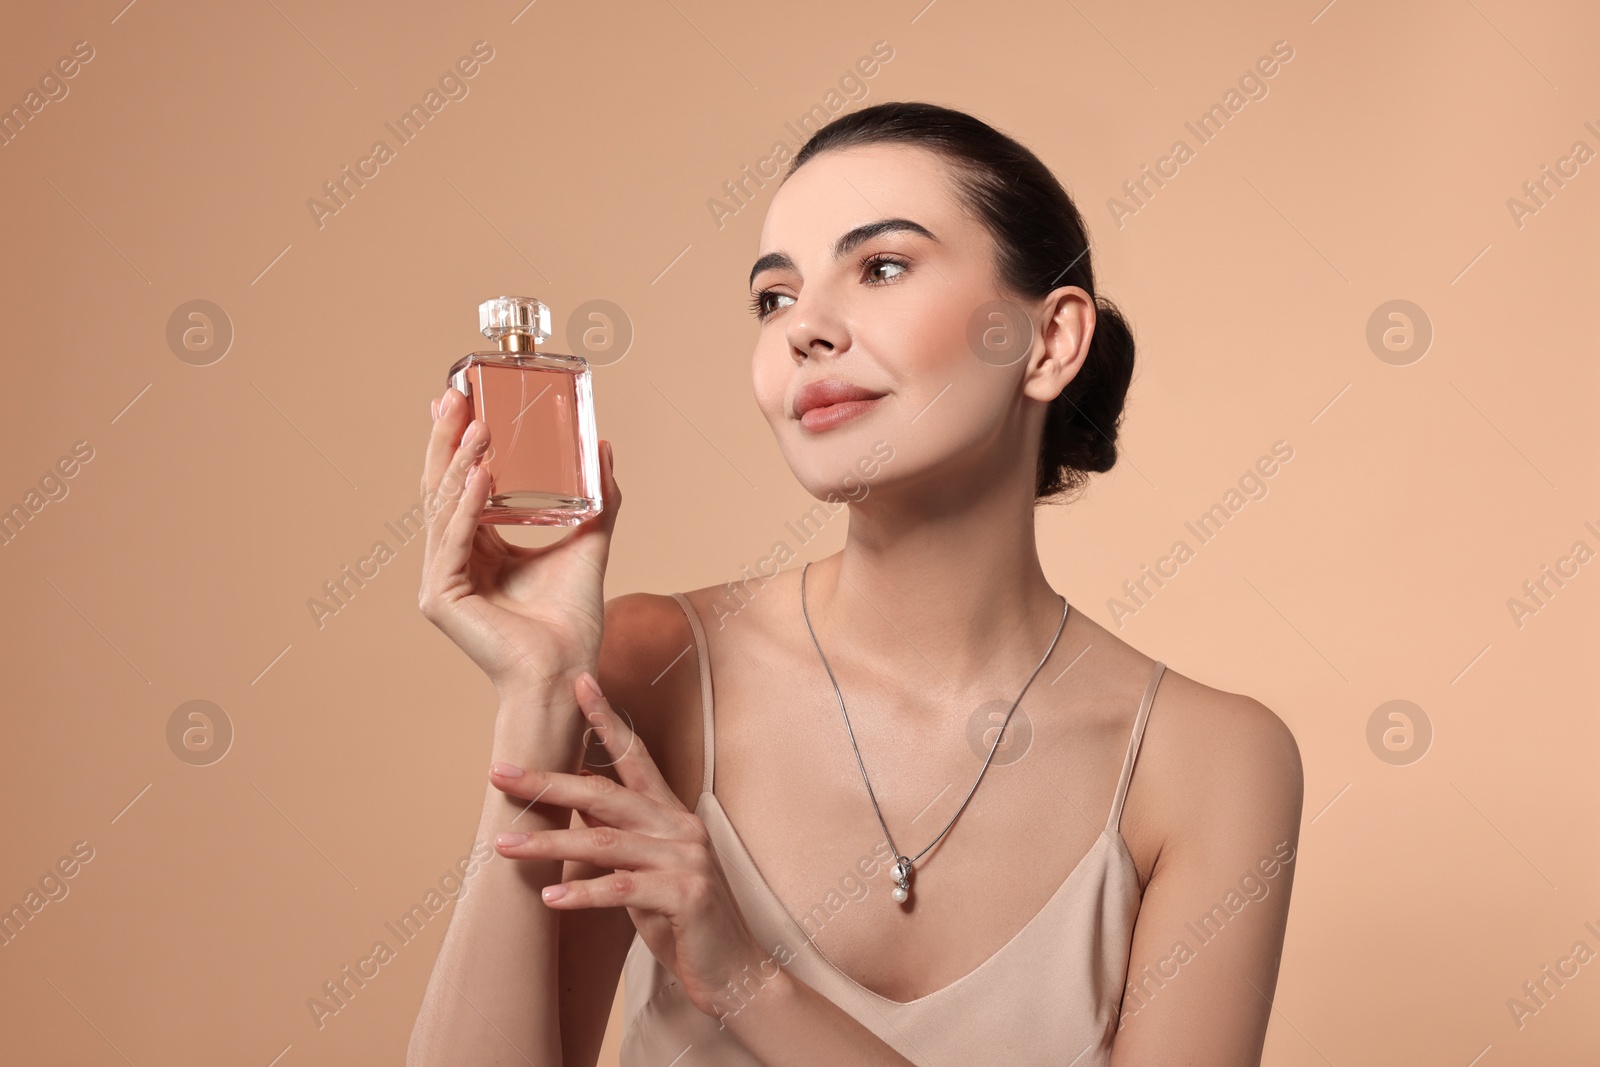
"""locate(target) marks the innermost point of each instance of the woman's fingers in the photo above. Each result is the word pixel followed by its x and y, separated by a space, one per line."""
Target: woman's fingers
pixel 452 513
pixel 452 517
pixel 594 795
pixel 454 548
pixel 601 846
pixel 657 891
pixel 451 419
pixel 457 439
pixel 610 494
pixel 635 767
pixel 474 441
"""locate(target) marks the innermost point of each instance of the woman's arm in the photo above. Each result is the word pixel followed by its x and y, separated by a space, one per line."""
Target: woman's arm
pixel 1209 937
pixel 495 982
pixel 643 850
pixel 646 662
pixel 533 619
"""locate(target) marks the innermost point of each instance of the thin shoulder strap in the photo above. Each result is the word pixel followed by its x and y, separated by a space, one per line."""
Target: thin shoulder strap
pixel 706 714
pixel 1115 820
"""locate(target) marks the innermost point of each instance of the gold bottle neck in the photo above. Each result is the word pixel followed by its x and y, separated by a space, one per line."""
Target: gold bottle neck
pixel 515 342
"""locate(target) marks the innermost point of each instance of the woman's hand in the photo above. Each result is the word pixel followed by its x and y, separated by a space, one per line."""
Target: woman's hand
pixel 528 616
pixel 664 869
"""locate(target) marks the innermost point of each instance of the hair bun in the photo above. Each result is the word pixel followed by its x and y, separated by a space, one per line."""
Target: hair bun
pixel 1080 432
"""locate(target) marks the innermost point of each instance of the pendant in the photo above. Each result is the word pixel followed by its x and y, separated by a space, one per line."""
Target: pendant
pixel 902 876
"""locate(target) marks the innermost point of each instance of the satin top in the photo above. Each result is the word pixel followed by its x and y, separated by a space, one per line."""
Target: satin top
pixel 1050 995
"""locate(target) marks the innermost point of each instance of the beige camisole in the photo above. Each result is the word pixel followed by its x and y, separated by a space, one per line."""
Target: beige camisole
pixel 1050 995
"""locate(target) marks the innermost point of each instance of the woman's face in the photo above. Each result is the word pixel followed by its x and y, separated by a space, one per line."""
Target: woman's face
pixel 889 311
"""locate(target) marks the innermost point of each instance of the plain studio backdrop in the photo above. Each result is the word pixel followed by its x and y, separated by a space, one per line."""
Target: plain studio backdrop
pixel 1379 259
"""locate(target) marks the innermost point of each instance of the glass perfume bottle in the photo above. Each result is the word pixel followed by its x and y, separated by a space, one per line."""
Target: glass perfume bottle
pixel 544 454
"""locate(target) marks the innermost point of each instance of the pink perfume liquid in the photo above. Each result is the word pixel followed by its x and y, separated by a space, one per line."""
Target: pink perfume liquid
pixel 543 457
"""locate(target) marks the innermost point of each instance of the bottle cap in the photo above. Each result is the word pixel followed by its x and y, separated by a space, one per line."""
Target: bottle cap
pixel 514 314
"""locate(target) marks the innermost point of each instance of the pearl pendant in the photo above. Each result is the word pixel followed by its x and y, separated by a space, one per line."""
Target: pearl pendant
pixel 902 875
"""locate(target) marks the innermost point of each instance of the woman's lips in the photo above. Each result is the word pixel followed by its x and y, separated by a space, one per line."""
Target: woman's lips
pixel 831 415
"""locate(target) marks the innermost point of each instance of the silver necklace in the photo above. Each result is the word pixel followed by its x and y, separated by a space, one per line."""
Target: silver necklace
pixel 903 864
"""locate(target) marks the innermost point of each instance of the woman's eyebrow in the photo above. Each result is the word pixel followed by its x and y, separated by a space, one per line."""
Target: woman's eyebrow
pixel 844 245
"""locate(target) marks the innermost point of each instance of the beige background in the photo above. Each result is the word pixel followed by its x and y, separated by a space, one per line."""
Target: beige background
pixel 579 167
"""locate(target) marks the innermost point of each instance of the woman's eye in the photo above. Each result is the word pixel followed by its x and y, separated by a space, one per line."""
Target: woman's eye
pixel 877 263
pixel 759 306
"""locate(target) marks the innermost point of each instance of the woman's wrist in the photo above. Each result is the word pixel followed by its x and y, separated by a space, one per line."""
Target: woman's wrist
pixel 550 678
pixel 541 729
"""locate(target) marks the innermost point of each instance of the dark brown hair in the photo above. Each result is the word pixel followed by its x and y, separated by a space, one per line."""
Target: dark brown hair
pixel 1040 245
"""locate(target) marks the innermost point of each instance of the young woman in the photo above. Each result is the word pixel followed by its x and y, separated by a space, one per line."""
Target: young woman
pixel 879 808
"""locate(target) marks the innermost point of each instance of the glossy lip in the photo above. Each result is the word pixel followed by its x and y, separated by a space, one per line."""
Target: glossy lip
pixel 827 402
pixel 828 391
pixel 830 415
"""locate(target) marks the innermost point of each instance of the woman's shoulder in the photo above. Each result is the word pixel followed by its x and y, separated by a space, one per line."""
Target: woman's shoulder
pixel 650 673
pixel 659 618
pixel 1212 764
pixel 1193 724
pixel 650 669
pixel 1214 722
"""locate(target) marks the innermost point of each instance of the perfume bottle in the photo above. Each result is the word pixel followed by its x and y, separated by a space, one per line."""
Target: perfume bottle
pixel 544 456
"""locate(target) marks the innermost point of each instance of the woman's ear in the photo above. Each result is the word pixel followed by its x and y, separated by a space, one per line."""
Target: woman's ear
pixel 1064 336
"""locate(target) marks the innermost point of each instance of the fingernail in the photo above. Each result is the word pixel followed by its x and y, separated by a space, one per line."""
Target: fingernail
pixel 510 839
pixel 433 405
pixel 589 684
pixel 506 770
pixel 554 893
pixel 585 770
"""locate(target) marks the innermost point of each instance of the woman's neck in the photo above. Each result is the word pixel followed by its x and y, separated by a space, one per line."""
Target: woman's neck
pixel 958 595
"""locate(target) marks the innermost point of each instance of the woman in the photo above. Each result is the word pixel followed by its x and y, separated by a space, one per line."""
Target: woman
pixel 897 890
